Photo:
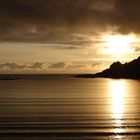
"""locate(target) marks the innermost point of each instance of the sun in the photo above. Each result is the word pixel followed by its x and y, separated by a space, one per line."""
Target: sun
pixel 118 44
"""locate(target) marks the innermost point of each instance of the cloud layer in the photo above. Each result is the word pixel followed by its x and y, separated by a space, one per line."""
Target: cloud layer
pixel 16 66
pixel 57 20
pixel 59 65
pixel 68 67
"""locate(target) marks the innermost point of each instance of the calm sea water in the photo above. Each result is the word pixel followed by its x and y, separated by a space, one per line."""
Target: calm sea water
pixel 66 108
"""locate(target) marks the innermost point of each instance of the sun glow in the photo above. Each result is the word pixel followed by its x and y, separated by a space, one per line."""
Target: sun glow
pixel 118 44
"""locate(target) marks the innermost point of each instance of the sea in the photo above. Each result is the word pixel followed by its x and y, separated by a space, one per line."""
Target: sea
pixel 62 107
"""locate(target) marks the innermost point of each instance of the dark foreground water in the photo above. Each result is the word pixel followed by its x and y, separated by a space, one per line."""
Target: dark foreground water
pixel 63 108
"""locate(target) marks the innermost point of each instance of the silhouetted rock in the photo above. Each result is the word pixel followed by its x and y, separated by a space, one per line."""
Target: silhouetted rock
pixel 118 70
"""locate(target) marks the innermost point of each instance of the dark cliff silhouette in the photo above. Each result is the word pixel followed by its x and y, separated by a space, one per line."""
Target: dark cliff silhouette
pixel 118 70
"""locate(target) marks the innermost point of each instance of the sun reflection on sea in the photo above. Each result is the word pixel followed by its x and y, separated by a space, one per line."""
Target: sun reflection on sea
pixel 117 91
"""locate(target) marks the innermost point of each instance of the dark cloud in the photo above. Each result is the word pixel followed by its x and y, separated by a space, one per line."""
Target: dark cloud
pixel 16 66
pixel 137 49
pixel 58 65
pixel 77 66
pixel 127 15
pixel 36 65
pixel 73 47
pixel 52 11
pixel 12 66
pixel 96 64
pixel 57 20
pixel 77 44
pixel 49 20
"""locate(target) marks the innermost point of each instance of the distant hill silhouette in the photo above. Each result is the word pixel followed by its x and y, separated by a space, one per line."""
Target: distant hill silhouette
pixel 118 70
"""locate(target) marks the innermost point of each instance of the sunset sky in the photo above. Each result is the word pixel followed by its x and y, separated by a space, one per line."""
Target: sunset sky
pixel 67 36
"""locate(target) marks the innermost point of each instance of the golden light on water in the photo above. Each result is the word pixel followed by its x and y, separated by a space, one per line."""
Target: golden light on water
pixel 117 91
